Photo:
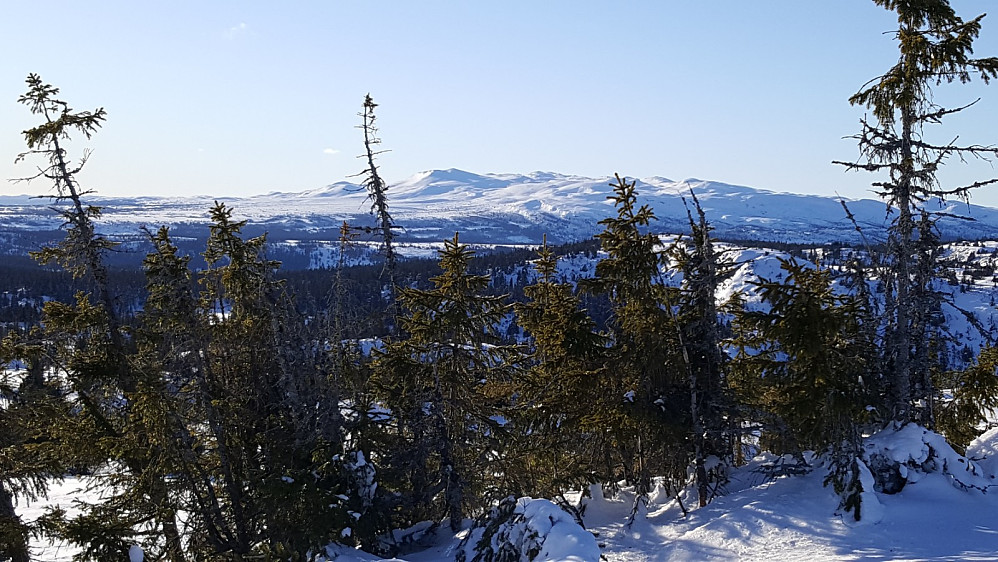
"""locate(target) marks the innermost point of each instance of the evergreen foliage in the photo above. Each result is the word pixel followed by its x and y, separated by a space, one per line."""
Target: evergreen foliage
pixel 799 360
pixel 25 468
pixel 560 397
pixel 446 386
pixel 96 395
pixel 936 47
pixel 701 339
pixel 972 400
pixel 800 366
pixel 648 427
pixel 378 194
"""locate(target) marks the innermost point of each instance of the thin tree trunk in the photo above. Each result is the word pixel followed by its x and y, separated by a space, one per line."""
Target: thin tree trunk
pixel 901 373
pixel 17 547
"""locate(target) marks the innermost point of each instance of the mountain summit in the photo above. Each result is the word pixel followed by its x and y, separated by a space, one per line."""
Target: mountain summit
pixel 517 208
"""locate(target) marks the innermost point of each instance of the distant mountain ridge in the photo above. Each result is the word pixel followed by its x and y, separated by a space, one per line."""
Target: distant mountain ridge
pixel 509 209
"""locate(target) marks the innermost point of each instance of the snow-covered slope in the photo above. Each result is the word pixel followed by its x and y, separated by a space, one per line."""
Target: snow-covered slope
pixel 510 208
pixel 790 518
pixel 967 283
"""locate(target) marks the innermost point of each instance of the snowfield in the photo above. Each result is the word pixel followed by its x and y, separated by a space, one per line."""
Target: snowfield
pixel 793 518
pixel 789 518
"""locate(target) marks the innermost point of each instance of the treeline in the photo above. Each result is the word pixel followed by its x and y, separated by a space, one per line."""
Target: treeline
pixel 25 286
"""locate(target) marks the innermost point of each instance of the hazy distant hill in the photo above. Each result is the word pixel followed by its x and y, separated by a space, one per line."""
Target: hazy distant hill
pixel 496 209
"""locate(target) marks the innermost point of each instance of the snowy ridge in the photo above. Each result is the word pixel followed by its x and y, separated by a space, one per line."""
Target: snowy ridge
pixel 512 209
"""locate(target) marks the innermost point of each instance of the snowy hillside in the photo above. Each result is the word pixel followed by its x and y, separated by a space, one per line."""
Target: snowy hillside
pixel 968 283
pixel 505 209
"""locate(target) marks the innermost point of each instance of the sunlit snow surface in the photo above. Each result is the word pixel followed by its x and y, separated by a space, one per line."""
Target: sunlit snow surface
pixel 791 518
pixel 509 209
pixel 59 494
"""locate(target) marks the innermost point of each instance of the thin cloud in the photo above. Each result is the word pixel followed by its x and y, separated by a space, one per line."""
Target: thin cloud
pixel 237 30
pixel 330 151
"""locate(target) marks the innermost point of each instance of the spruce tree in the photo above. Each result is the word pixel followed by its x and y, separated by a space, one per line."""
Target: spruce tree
pixel 377 191
pixel 25 466
pixel 251 395
pixel 936 47
pixel 251 410
pixel 974 398
pixel 561 404
pixel 446 385
pixel 82 251
pixel 100 423
pixel 649 382
pixel 702 355
pixel 802 356
pixel 801 366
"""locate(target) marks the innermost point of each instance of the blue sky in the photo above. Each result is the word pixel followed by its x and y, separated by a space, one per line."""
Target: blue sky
pixel 239 98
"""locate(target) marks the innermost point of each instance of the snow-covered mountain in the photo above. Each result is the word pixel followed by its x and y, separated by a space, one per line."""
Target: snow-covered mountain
pixel 506 208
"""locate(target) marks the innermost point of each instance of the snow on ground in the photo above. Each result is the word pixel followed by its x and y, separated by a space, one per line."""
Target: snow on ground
pixel 59 494
pixel 789 518
pixel 793 518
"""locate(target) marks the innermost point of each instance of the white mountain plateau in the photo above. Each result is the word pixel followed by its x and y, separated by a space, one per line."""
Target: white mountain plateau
pixel 496 209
